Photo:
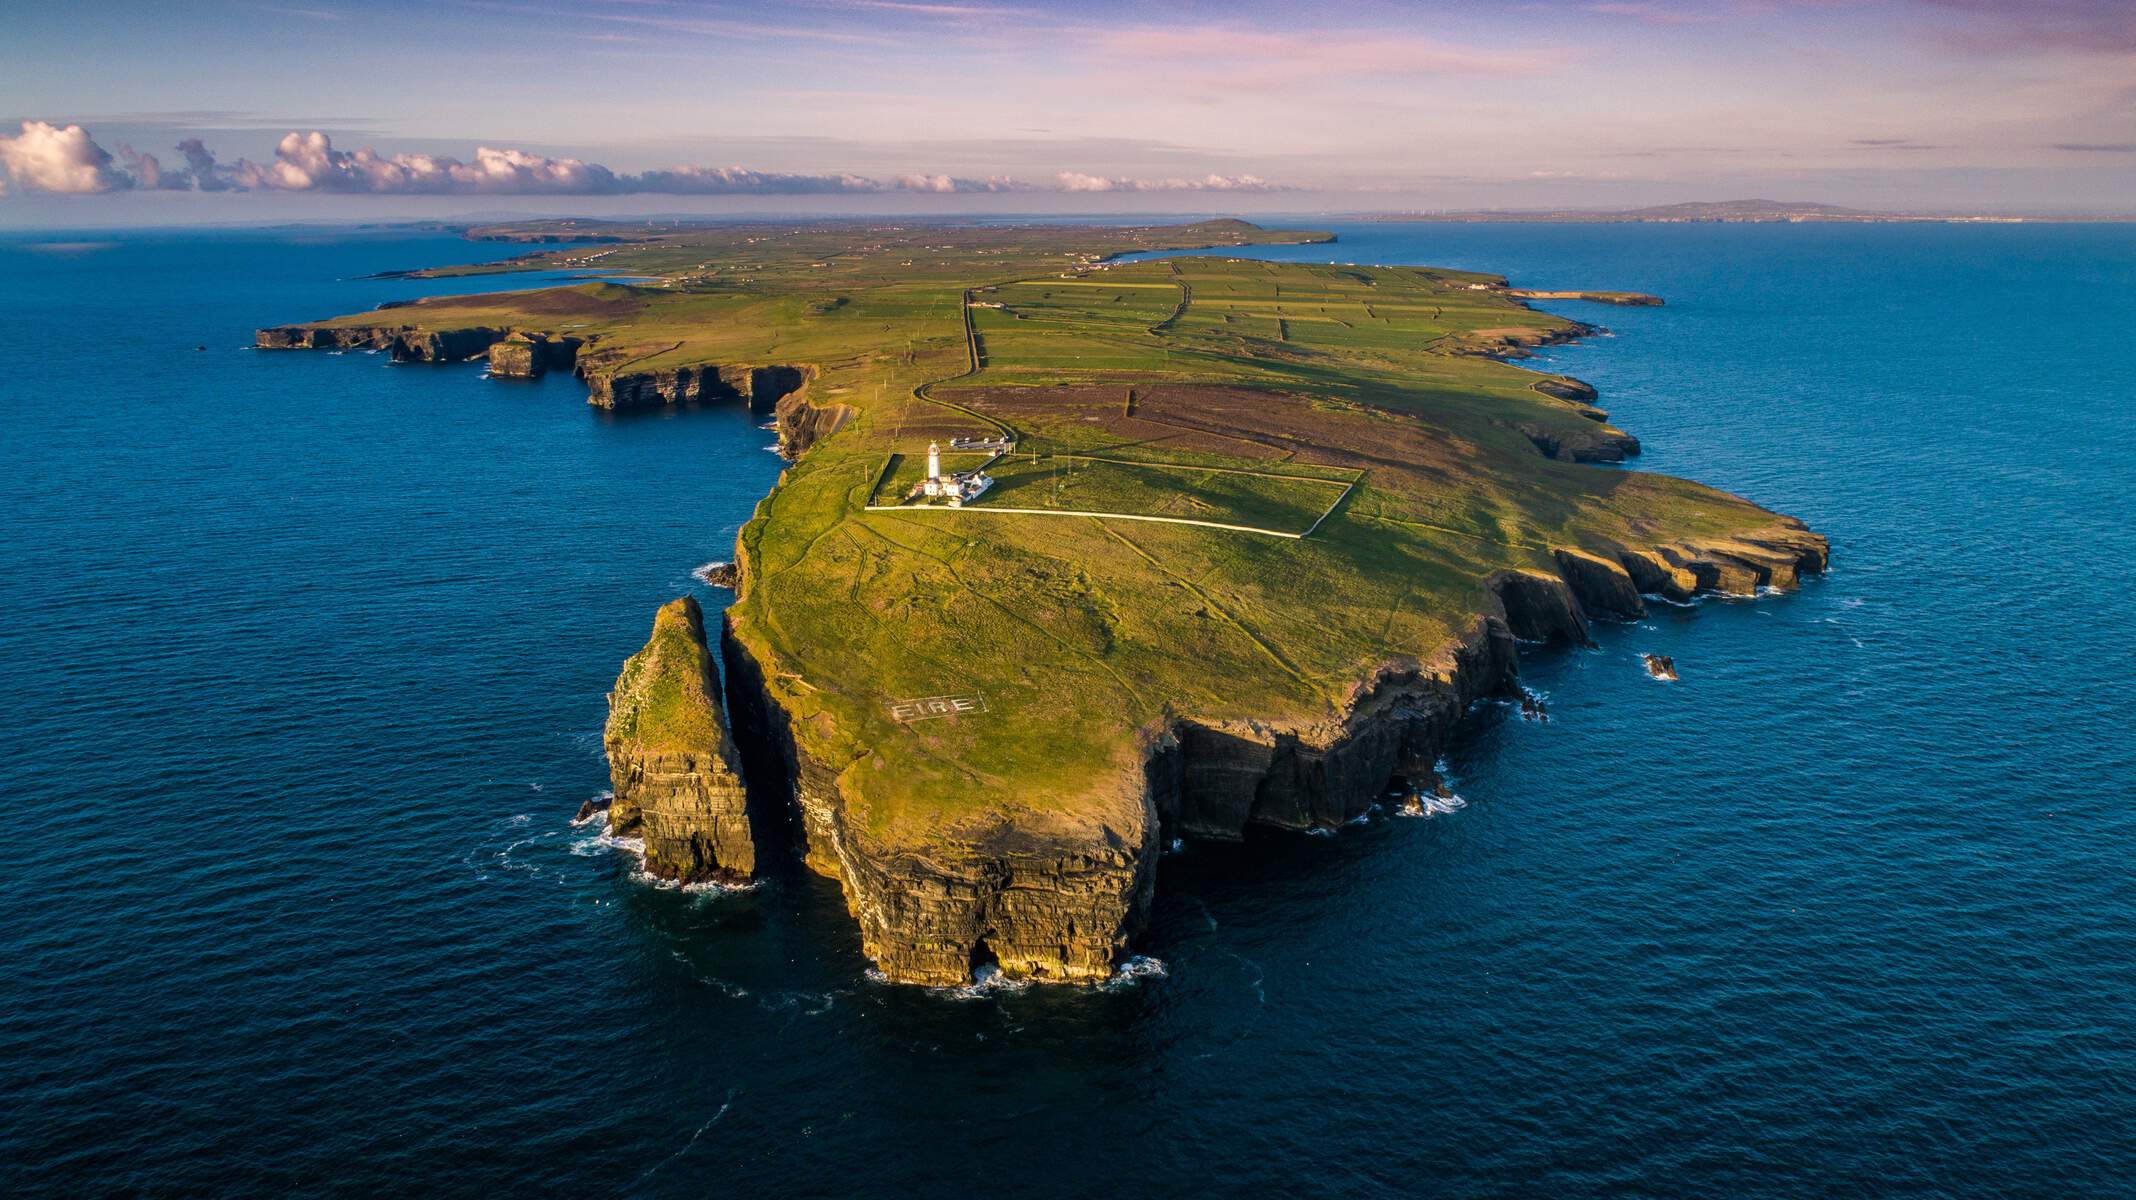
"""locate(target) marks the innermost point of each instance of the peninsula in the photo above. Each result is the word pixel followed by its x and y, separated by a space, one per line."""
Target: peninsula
pixel 1077 555
pixel 1794 212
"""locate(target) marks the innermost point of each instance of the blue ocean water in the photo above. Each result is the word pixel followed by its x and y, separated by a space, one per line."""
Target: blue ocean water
pixel 306 658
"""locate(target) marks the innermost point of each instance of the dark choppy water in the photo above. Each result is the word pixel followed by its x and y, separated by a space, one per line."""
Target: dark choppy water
pixel 305 660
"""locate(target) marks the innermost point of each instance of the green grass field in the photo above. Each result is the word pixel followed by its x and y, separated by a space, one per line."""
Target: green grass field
pixel 1074 484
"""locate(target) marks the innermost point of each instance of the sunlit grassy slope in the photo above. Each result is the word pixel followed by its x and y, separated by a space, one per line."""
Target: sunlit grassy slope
pixel 1204 387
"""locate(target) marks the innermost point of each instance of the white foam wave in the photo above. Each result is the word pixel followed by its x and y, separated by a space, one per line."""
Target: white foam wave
pixel 987 980
pixel 606 841
pixel 1427 804
pixel 1136 969
pixel 709 1123
pixel 1439 799
pixel 703 574
pixel 711 887
pixel 587 847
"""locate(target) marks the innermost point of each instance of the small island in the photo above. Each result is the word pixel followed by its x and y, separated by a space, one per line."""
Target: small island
pixel 1252 538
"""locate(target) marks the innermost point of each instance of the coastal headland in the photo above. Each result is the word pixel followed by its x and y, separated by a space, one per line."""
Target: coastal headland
pixel 1235 543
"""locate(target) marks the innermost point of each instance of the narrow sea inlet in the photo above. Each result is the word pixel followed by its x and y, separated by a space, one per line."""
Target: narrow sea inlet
pixel 308 657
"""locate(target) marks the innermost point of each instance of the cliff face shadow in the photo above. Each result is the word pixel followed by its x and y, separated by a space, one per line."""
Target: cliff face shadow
pixel 735 406
pixel 767 776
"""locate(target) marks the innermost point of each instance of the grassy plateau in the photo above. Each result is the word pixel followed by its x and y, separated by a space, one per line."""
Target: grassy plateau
pixel 1377 407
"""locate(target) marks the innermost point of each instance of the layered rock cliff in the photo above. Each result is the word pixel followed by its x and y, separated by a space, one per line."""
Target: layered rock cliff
pixel 802 422
pixel 1036 897
pixel 1058 901
pixel 757 386
pixel 671 761
pixel 1215 779
pixel 1596 443
pixel 405 343
pixel 525 355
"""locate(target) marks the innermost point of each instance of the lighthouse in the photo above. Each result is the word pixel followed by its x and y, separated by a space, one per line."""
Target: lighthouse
pixel 955 489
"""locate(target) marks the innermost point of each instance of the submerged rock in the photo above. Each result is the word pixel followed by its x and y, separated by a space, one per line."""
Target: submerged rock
pixel 671 761
pixel 1603 588
pixel 1532 707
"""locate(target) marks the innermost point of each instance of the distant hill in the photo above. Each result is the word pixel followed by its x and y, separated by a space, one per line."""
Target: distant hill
pixel 1746 211
pixel 1750 210
pixel 1704 210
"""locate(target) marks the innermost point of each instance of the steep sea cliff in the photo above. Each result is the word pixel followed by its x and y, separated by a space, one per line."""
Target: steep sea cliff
pixel 525 353
pixel 1067 903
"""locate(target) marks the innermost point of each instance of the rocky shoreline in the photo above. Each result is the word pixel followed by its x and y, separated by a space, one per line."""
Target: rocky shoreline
pixel 1066 907
pixel 528 353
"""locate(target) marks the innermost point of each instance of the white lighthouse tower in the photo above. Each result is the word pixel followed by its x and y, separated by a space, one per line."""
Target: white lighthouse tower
pixel 955 489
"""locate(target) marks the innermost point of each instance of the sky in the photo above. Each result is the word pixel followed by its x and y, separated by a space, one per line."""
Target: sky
pixel 131 112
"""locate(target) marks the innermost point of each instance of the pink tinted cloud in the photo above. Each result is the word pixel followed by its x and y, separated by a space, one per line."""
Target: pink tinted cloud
pixel 2103 26
pixel 1652 13
pixel 1248 60
pixel 1077 181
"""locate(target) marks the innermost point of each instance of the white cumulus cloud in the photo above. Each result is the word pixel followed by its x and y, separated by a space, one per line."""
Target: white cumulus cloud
pixel 308 162
pixel 47 158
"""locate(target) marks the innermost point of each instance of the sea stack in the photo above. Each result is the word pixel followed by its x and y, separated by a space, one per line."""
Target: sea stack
pixel 519 356
pixel 671 761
